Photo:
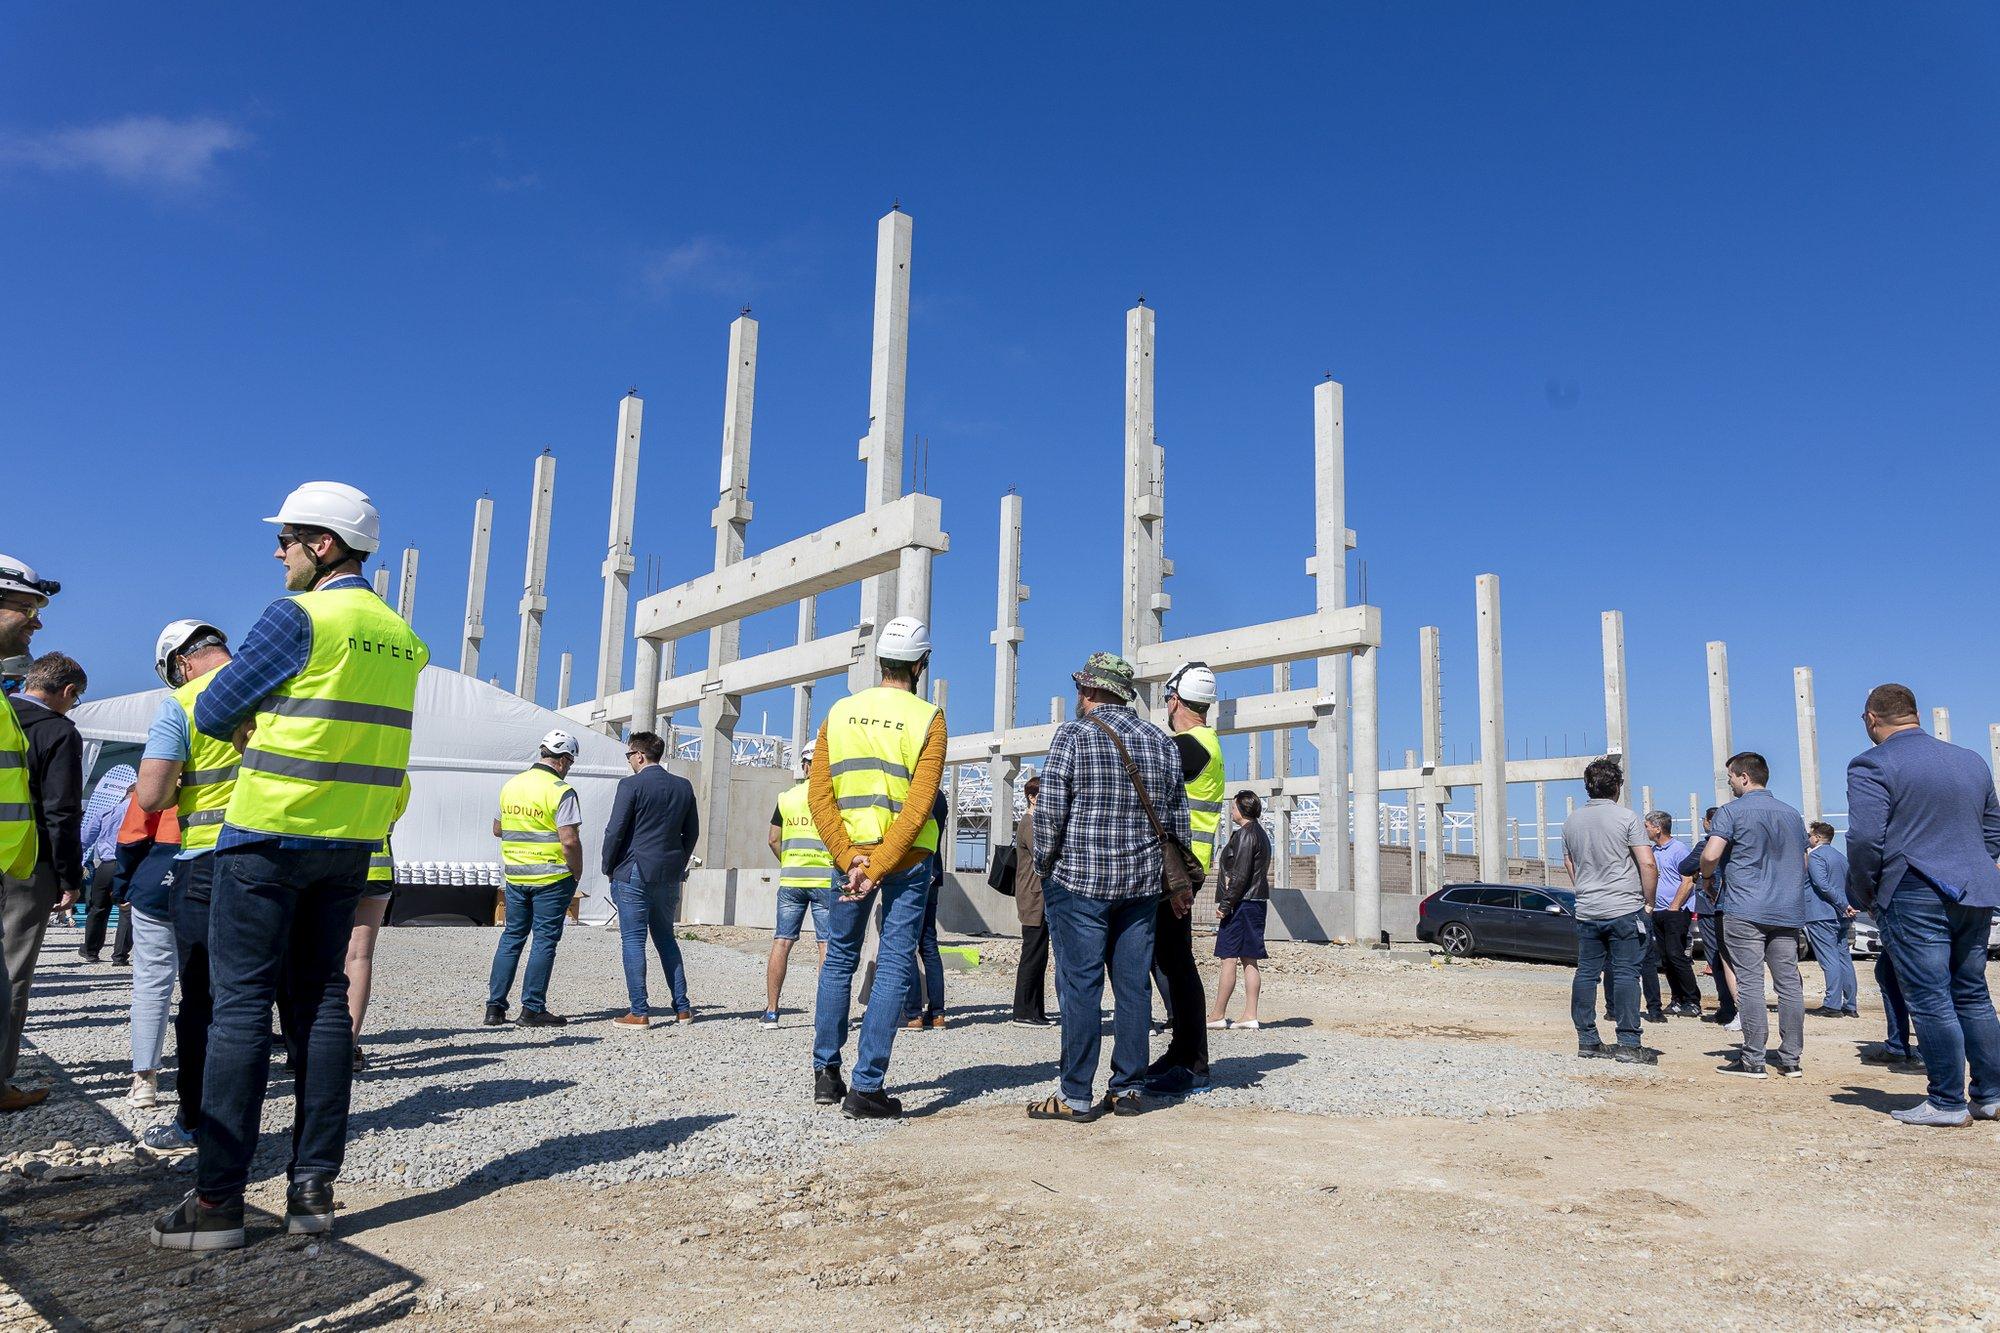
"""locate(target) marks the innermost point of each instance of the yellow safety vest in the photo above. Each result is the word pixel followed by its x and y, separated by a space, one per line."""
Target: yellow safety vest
pixel 803 860
pixel 1204 797
pixel 873 741
pixel 208 777
pixel 333 742
pixel 529 843
pixel 20 845
pixel 382 861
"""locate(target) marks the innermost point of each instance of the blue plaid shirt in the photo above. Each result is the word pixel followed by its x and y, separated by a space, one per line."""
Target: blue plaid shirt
pixel 1091 833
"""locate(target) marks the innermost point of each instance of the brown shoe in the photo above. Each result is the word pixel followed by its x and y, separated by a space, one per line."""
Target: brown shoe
pixel 20 1099
pixel 916 1022
pixel 934 1020
pixel 684 1016
pixel 636 1022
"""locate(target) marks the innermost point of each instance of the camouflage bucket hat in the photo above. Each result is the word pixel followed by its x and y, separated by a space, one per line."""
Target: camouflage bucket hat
pixel 1107 671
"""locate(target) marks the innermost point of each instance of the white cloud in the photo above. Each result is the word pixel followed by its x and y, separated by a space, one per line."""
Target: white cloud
pixel 702 264
pixel 153 152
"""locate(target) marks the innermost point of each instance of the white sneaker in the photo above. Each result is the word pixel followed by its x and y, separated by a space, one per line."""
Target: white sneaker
pixel 1250 1023
pixel 1217 1024
pixel 1735 1025
pixel 145 1090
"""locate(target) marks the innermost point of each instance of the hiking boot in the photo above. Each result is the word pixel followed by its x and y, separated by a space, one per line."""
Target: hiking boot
pixel 870 1105
pixel 1636 1055
pixel 194 1225
pixel 541 1018
pixel 309 1207
pixel 496 1014
pixel 827 1085
pixel 20 1099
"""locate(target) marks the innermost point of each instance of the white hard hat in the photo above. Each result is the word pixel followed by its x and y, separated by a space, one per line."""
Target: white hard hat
pixel 16 666
pixel 18 576
pixel 175 638
pixel 904 639
pixel 1193 684
pixel 337 507
pixel 561 742
pixel 806 754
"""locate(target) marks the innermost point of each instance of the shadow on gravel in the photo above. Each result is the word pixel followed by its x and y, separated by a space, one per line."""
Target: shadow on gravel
pixel 1873 1099
pixel 1247 1071
pixel 962 1085
pixel 434 1103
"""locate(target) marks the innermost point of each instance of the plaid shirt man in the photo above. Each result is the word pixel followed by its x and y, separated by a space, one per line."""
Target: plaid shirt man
pixel 1091 833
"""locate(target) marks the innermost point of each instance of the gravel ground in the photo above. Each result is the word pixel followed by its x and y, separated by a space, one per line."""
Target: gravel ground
pixel 446 1100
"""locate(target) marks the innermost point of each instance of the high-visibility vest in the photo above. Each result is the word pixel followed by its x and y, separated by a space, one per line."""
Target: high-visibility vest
pixel 20 845
pixel 873 742
pixel 333 742
pixel 529 843
pixel 382 861
pixel 803 860
pixel 1204 797
pixel 208 777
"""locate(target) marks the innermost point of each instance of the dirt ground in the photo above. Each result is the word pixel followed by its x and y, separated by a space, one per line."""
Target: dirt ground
pixel 1683 1199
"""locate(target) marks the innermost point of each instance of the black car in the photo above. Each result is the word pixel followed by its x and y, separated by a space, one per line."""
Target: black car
pixel 1525 920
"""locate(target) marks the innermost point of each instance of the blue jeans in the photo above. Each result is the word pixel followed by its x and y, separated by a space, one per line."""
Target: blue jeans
pixel 1894 1007
pixel 539 907
pixel 277 932
pixel 929 977
pixel 1830 940
pixel 1939 949
pixel 902 922
pixel 793 903
pixel 648 909
pixel 1620 942
pixel 1091 935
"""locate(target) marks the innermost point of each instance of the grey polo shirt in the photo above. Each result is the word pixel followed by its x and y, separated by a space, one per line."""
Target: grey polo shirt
pixel 1766 860
pixel 1598 840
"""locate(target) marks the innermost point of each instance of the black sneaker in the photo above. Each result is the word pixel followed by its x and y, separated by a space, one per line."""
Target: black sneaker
pixel 496 1014
pixel 1825 1011
pixel 1740 1069
pixel 541 1018
pixel 194 1225
pixel 876 1105
pixel 360 1060
pixel 1685 1010
pixel 1593 1051
pixel 827 1085
pixel 1655 1016
pixel 1881 1053
pixel 1636 1055
pixel 309 1207
pixel 1177 1081
pixel 1784 1070
pixel 1128 1103
pixel 88 957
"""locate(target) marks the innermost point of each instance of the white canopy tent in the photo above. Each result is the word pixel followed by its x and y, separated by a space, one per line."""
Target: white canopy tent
pixel 469 738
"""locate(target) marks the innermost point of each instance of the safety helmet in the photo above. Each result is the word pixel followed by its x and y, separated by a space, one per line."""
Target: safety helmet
pixel 337 507
pixel 1193 684
pixel 904 639
pixel 18 576
pixel 806 754
pixel 561 742
pixel 177 638
pixel 16 668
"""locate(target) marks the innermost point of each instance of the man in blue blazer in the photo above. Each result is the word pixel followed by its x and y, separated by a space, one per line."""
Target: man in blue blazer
pixel 653 830
pixel 1923 834
pixel 1830 923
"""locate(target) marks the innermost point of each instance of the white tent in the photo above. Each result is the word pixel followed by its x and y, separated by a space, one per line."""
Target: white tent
pixel 469 738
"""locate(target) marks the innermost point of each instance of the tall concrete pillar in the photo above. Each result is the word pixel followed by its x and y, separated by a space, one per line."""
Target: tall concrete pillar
pixel 1645 801
pixel 1007 636
pixel 534 598
pixel 802 695
pixel 1367 802
pixel 1617 710
pixel 720 713
pixel 382 582
pixel 1993 754
pixel 618 550
pixel 1431 666
pixel 1145 501
pixel 1416 829
pixel 1255 742
pixel 1810 803
pixel 1542 830
pixel 1720 747
pixel 1694 819
pixel 1941 723
pixel 947 783
pixel 565 674
pixel 475 586
pixel 1329 573
pixel 882 449
pixel 1056 709
pixel 1492 737
pixel 1281 804
pixel 406 586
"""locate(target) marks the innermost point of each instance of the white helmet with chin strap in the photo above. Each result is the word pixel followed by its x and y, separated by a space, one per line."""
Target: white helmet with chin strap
pixel 561 742
pixel 18 576
pixel 181 637
pixel 1193 684
pixel 904 639
pixel 337 508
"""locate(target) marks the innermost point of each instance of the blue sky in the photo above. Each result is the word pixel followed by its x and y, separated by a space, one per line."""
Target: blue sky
pixel 1691 314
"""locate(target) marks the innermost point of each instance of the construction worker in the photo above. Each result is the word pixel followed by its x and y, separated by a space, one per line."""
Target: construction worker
pixel 194 774
pixel 14 671
pixel 1183 1067
pixel 805 883
pixel 873 782
pixel 318 700
pixel 537 828
pixel 23 594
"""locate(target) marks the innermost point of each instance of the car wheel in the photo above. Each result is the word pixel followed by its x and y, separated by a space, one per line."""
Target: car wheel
pixel 1455 939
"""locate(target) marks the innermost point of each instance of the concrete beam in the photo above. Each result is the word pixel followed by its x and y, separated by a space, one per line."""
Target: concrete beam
pixel 475 586
pixel 534 593
pixel 1810 803
pixel 1560 768
pixel 618 547
pixel 1321 634
pixel 1720 746
pixel 1492 737
pixel 778 669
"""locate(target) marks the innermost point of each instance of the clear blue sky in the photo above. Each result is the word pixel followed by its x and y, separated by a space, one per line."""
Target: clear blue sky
pixel 1689 313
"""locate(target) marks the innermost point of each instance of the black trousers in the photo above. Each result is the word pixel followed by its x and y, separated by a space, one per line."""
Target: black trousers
pixel 189 904
pixel 97 915
pixel 1173 957
pixel 1671 933
pixel 1031 977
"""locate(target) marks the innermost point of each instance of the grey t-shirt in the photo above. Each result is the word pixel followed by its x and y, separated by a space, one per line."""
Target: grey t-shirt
pixel 1766 860
pixel 1598 840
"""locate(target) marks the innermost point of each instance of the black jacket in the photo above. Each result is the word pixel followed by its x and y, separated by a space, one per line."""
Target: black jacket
pixel 55 785
pixel 1246 868
pixel 653 827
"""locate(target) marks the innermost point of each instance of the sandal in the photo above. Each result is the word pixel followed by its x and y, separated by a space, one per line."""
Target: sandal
pixel 1053 1107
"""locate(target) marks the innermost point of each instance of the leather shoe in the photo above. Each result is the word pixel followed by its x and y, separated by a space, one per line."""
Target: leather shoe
pixel 20 1099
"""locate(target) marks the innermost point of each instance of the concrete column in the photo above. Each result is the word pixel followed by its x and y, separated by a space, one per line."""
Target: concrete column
pixel 718 716
pixel 406 586
pixel 802 695
pixel 1145 503
pixel 1006 638
pixel 1617 713
pixel 1329 574
pixel 646 689
pixel 475 586
pixel 913 584
pixel 1720 747
pixel 948 783
pixel 1542 830
pixel 1281 769
pixel 1645 801
pixel 1492 737
pixel 1810 803
pixel 1514 839
pixel 719 713
pixel 1694 818
pixel 1056 709
pixel 1431 667
pixel 382 582
pixel 1256 749
pixel 564 674
pixel 882 448
pixel 1367 803
pixel 1993 754
pixel 618 551
pixel 1941 723
pixel 1416 830
pixel 534 598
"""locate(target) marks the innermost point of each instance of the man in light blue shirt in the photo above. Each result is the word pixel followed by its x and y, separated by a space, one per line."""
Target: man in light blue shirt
pixel 1830 924
pixel 1671 922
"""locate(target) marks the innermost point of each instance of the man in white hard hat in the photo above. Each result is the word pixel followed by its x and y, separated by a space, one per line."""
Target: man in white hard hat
pixel 318 699
pixel 543 851
pixel 23 594
pixel 873 783
pixel 805 884
pixel 1183 1068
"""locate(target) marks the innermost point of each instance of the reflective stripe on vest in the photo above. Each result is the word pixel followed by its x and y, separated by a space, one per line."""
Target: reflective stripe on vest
pixel 802 858
pixel 1204 798
pixel 333 742
pixel 382 864
pixel 208 778
pixel 20 845
pixel 874 740
pixel 529 843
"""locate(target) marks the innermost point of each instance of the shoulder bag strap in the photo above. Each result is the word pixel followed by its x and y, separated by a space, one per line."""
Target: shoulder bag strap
pixel 1132 772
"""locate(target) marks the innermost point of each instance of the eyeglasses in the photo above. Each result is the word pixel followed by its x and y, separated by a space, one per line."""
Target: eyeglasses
pixel 634 754
pixel 287 539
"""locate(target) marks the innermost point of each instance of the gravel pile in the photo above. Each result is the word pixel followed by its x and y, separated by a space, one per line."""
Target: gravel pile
pixel 448 1101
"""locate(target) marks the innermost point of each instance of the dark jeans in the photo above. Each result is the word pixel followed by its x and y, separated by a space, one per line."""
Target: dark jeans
pixel 1173 955
pixel 1940 952
pixel 1091 935
pixel 1711 948
pixel 1894 1007
pixel 1031 977
pixel 927 981
pixel 278 931
pixel 194 883
pixel 1670 933
pixel 540 908
pixel 902 922
pixel 1832 943
pixel 1649 972
pixel 1620 943
pixel 644 909
pixel 97 916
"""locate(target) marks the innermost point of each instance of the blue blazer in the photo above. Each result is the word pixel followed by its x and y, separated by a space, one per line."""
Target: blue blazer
pixel 653 828
pixel 1921 806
